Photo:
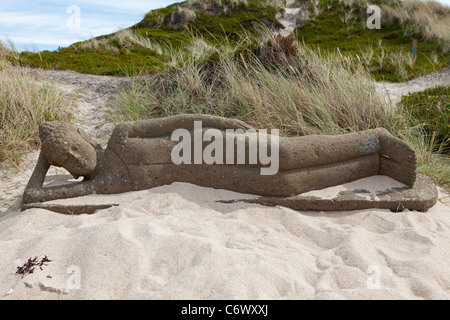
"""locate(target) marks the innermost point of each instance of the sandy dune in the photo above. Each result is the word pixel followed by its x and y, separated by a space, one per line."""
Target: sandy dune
pixel 177 242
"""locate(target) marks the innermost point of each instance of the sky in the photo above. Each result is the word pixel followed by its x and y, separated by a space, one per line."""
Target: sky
pixel 48 24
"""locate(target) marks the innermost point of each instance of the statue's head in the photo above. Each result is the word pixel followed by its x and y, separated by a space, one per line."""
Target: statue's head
pixel 65 146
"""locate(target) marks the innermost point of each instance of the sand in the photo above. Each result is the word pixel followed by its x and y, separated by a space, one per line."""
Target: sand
pixel 393 92
pixel 293 16
pixel 177 242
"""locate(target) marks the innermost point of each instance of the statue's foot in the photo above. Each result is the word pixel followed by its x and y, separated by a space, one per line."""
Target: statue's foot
pixel 397 158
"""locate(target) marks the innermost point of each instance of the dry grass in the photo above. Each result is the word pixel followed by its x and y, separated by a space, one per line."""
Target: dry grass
pixel 310 94
pixel 124 38
pixel 4 50
pixel 430 19
pixel 427 18
pixel 24 103
pixel 181 16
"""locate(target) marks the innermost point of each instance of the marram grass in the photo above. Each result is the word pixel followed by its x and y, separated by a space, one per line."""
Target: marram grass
pixel 24 104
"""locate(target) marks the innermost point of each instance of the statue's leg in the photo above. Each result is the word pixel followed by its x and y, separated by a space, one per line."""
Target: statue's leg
pixel 317 150
pixel 397 159
pixel 311 151
pixel 248 179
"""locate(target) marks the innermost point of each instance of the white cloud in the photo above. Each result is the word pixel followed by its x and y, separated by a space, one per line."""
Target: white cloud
pixel 27 19
pixel 45 22
pixel 62 41
pixel 136 6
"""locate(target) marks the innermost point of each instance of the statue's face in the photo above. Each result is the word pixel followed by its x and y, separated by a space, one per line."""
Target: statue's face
pixel 65 146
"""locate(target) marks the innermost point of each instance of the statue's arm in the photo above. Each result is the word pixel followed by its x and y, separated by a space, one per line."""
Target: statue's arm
pixel 161 127
pixel 34 192
pixel 33 195
pixel 36 180
pixel 38 175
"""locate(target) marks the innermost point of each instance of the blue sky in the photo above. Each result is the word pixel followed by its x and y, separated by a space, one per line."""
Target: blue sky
pixel 49 24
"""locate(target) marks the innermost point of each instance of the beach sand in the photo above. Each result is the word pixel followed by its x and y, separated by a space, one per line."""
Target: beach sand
pixel 178 242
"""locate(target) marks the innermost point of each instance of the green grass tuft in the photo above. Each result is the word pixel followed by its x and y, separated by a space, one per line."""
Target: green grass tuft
pixel 430 109
pixel 386 52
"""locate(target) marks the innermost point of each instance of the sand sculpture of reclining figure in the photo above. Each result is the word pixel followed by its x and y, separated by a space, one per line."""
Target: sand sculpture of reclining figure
pixel 138 156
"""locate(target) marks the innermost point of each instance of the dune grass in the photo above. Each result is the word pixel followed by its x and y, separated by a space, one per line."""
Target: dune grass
pixel 430 109
pixel 433 164
pixel 283 85
pixel 316 96
pixel 428 20
pixel 387 52
pixel 24 103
